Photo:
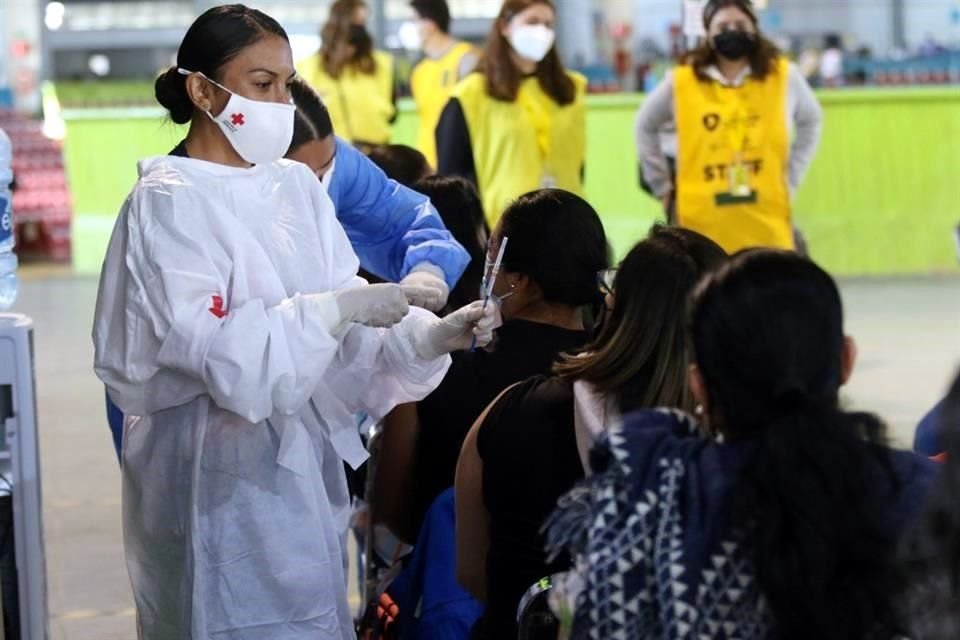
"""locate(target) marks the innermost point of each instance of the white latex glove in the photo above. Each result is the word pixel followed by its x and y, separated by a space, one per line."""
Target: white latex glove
pixel 374 305
pixel 425 287
pixel 455 332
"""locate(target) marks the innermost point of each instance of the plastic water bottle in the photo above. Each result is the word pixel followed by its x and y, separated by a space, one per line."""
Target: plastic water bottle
pixel 8 259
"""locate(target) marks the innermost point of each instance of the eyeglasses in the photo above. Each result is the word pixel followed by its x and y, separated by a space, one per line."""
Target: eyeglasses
pixel 605 280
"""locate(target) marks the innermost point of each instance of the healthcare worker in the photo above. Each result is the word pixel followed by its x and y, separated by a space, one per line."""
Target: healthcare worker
pixel 518 124
pixel 445 62
pixel 735 106
pixel 395 231
pixel 355 81
pixel 231 321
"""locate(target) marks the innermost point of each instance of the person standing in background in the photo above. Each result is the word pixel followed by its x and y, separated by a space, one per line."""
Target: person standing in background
pixel 518 124
pixel 735 105
pixel 446 61
pixel 831 62
pixel 355 81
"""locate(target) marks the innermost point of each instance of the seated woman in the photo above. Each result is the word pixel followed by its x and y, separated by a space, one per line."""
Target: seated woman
pixel 779 515
pixel 556 246
pixel 523 455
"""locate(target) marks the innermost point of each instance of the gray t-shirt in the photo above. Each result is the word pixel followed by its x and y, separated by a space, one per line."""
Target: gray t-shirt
pixel 656 122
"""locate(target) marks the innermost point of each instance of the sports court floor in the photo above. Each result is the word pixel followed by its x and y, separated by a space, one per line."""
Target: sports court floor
pixel 908 331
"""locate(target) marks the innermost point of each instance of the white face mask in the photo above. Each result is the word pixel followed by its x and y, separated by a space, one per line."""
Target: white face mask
pixel 410 37
pixel 532 41
pixel 495 300
pixel 260 132
pixel 328 176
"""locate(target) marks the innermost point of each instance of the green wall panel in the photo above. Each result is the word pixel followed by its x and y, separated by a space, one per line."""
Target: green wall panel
pixel 880 198
pixel 884 191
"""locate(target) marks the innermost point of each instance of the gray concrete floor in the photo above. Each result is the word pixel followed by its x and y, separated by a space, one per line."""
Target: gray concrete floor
pixel 908 333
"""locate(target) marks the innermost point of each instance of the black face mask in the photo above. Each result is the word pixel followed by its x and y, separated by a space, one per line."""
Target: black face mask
pixel 735 45
pixel 358 36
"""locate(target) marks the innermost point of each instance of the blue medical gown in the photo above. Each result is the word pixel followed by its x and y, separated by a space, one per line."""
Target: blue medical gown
pixel 392 229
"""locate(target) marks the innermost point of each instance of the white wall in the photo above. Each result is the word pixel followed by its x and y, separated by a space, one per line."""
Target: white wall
pixel 861 21
pixel 652 19
pixel 871 23
pixel 933 17
pixel 575 31
pixel 803 17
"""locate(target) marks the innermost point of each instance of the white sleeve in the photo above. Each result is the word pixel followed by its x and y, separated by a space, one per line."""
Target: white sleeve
pixel 165 326
pixel 377 369
pixel 374 369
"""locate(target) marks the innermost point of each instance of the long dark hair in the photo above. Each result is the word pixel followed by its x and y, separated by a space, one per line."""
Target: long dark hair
pixel 400 162
pixel 459 206
pixel 503 77
pixel 812 500
pixel 312 120
pixel 931 553
pixel 213 40
pixel 336 34
pixel 641 351
pixel 764 59
pixel 557 240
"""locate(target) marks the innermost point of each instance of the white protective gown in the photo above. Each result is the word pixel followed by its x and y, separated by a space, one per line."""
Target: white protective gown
pixel 235 504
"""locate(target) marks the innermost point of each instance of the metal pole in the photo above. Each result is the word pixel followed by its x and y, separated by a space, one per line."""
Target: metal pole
pixel 378 22
pixel 899 16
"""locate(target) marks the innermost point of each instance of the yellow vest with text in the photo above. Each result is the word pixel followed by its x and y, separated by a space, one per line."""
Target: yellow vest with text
pixel 360 104
pixel 526 144
pixel 711 119
pixel 431 84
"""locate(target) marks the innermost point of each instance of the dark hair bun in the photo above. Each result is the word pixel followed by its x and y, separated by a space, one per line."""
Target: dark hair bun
pixel 213 40
pixel 171 92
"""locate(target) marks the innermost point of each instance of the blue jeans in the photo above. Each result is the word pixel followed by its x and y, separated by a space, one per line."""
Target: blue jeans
pixel 927 440
pixel 115 420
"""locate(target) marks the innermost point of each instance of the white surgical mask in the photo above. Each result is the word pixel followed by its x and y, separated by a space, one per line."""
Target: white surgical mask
pixel 495 300
pixel 410 37
pixel 260 132
pixel 328 176
pixel 532 41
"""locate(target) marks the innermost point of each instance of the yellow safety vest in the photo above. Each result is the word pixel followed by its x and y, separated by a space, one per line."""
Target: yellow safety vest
pixel 523 145
pixel 360 104
pixel 733 150
pixel 431 84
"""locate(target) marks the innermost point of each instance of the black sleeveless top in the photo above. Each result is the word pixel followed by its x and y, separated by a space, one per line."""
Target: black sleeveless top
pixel 521 349
pixel 529 451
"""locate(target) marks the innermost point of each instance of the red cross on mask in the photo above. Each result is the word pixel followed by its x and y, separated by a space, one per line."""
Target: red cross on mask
pixel 237 119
